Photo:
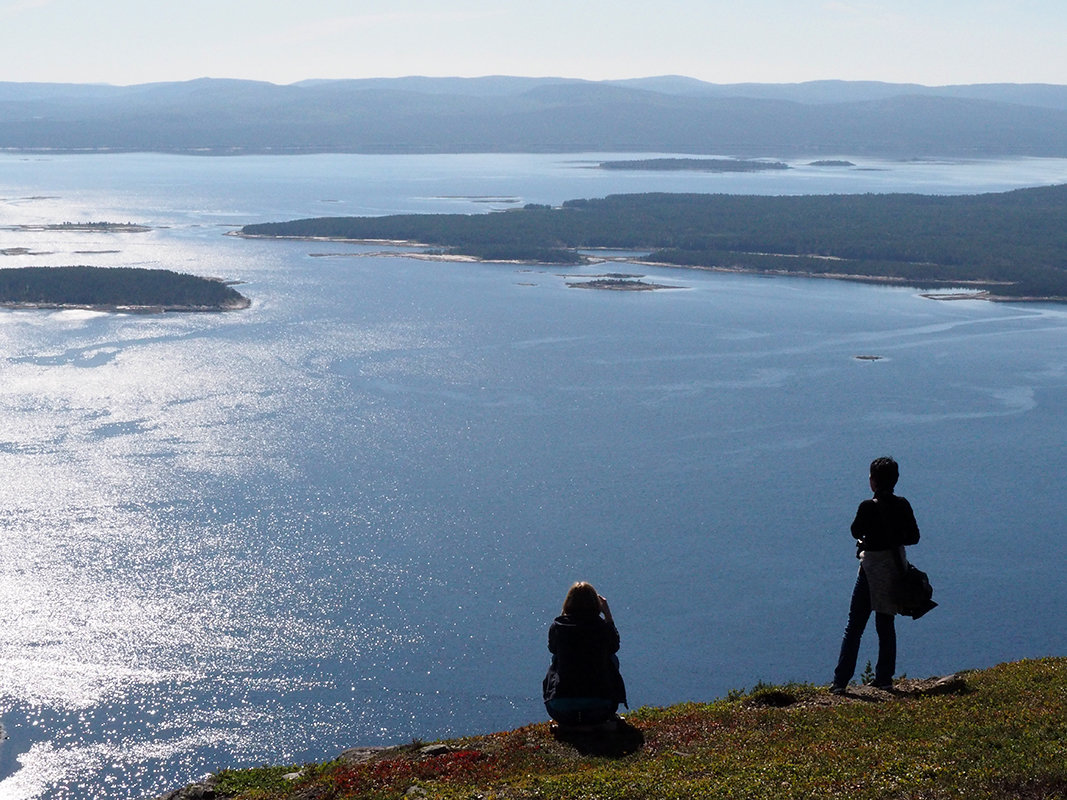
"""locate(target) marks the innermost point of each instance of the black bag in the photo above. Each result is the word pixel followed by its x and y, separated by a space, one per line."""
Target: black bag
pixel 914 592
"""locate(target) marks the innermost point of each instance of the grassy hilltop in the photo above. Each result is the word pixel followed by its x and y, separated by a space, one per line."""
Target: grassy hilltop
pixel 994 733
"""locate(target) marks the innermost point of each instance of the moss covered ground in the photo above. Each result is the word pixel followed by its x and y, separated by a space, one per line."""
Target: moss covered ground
pixel 994 733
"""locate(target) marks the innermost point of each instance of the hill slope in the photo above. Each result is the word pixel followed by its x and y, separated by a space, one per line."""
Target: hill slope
pixel 984 735
pixel 502 114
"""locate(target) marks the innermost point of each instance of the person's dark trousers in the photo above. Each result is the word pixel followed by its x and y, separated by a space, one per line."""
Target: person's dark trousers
pixel 859 612
pixel 581 710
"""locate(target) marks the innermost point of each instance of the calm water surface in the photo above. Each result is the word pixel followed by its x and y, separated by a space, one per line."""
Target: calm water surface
pixel 346 516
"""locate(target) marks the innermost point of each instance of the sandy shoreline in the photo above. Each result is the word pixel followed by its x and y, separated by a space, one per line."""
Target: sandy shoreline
pixel 879 280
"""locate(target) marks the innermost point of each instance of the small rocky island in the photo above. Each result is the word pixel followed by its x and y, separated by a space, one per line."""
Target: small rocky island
pixel 116 289
pixel 614 282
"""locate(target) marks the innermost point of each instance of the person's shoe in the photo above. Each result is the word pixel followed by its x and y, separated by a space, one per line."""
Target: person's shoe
pixel 837 689
pixel 607 726
pixel 885 686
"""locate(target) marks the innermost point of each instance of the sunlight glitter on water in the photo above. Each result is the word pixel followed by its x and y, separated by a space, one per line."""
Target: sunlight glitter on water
pixel 264 536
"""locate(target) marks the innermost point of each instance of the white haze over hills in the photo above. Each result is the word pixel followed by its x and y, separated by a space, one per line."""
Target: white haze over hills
pixel 766 41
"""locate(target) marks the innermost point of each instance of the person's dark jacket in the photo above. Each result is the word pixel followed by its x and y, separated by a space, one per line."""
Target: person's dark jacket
pixel 583 660
pixel 885 522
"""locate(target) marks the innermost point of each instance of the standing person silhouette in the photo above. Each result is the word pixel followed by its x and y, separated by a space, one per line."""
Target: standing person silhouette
pixel 583 686
pixel 882 527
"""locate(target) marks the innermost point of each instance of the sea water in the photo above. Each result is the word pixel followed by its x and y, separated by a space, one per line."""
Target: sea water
pixel 347 515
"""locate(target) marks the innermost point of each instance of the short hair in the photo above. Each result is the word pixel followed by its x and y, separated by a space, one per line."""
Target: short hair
pixel 582 601
pixel 884 473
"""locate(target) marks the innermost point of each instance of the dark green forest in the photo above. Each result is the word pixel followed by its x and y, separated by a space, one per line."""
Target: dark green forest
pixel 694 165
pixel 116 286
pixel 1012 243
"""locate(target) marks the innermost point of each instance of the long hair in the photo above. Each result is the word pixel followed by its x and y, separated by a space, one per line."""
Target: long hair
pixel 581 601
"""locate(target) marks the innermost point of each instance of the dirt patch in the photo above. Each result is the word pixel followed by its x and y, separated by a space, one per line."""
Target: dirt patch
pixel 908 688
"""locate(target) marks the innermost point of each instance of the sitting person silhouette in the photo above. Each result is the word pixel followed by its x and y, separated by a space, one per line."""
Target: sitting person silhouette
pixel 583 686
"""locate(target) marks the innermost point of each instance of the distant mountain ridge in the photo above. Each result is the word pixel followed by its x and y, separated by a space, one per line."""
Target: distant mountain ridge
pixel 514 114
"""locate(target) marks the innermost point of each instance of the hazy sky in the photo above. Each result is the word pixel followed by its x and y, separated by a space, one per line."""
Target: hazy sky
pixel 923 41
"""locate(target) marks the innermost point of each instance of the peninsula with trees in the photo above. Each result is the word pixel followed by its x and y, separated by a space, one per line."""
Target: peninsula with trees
pixel 1001 246
pixel 115 289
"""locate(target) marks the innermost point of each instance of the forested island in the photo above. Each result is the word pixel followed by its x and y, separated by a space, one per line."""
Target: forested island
pixel 694 165
pixel 90 227
pixel 115 288
pixel 1009 245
